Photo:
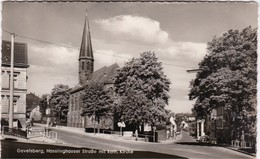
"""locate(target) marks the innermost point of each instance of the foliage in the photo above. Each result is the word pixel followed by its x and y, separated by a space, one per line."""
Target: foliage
pixel 143 90
pixel 43 104
pixel 96 101
pixel 227 78
pixel 59 101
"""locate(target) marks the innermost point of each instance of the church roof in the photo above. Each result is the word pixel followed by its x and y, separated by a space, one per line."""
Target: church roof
pixel 86 45
pixel 20 54
pixel 103 75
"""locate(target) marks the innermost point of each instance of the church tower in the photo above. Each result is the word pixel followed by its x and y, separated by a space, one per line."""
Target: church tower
pixel 86 59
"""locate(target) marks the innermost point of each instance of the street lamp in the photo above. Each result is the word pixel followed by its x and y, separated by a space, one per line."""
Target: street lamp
pixel 193 70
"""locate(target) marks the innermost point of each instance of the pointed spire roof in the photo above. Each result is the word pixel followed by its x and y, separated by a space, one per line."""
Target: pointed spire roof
pixel 86 45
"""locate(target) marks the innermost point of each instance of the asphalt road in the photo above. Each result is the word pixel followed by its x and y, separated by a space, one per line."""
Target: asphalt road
pixel 85 146
pixel 185 147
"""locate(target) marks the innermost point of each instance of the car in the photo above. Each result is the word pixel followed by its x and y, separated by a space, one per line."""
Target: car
pixel 204 139
pixel 29 123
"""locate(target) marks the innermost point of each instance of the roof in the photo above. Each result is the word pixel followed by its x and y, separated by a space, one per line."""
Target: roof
pixel 20 54
pixel 86 45
pixel 103 75
pixel 32 101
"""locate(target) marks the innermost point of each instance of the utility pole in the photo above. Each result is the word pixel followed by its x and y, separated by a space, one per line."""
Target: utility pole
pixel 11 107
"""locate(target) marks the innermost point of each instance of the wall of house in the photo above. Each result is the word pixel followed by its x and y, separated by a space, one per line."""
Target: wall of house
pixel 74 118
pixel 36 114
pixel 20 90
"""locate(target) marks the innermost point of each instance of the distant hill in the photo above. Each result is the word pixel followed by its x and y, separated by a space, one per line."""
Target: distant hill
pixel 32 101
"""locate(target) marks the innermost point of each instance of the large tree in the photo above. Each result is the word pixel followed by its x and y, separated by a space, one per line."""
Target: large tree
pixel 96 102
pixel 59 102
pixel 143 90
pixel 227 77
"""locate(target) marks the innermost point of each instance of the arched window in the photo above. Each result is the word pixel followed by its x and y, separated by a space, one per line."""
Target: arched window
pixel 88 66
pixel 83 65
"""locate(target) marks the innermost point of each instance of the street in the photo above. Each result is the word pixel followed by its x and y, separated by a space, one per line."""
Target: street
pixel 185 147
pixel 85 146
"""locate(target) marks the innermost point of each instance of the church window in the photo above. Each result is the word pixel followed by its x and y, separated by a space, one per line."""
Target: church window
pixel 88 66
pixel 76 103
pixel 82 65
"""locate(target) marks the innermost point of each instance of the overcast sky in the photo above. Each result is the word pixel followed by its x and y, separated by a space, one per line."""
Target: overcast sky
pixel 177 32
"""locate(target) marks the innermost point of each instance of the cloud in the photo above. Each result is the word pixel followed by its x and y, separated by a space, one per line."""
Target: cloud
pixel 50 65
pixel 184 53
pixel 135 28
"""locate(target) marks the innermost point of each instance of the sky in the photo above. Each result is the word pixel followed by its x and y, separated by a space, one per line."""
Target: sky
pixel 176 32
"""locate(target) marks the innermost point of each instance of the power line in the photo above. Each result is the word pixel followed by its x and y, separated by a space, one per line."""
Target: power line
pixel 71 47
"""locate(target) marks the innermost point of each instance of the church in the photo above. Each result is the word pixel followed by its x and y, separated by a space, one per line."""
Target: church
pixel 87 75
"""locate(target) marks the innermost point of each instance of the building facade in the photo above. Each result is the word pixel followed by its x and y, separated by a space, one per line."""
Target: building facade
pixel 87 75
pixel 20 82
pixel 217 125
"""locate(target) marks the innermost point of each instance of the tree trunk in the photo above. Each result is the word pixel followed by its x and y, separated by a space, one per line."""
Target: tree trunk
pixel 95 124
pixel 98 119
pixel 142 128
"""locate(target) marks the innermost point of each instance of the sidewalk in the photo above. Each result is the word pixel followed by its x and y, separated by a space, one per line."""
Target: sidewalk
pixel 240 150
pixel 81 131
pixel 35 140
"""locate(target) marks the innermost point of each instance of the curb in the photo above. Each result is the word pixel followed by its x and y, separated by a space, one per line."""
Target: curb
pixel 241 151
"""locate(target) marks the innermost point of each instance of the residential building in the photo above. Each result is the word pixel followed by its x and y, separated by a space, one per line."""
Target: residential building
pixel 218 125
pixel 32 107
pixel 20 82
pixel 87 74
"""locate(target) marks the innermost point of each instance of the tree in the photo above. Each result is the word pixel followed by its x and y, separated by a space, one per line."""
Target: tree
pixel 143 89
pixel 43 104
pixel 96 102
pixel 227 77
pixel 59 102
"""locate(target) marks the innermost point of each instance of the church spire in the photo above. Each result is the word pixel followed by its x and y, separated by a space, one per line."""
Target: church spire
pixel 86 59
pixel 86 45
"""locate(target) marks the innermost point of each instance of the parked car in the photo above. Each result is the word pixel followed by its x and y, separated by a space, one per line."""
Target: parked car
pixel 29 123
pixel 204 139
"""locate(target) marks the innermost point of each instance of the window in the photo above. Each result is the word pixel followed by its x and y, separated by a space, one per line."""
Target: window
pixel 88 66
pixel 15 107
pixel 15 81
pixel 219 123
pixel 76 104
pixel 220 111
pixel 83 65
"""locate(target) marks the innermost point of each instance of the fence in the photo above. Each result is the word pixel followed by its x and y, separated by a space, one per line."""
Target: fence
pixel 35 132
pixel 241 144
pixel 52 135
pixel 129 134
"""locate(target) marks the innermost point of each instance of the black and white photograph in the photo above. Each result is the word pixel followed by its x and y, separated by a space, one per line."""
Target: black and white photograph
pixel 129 79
